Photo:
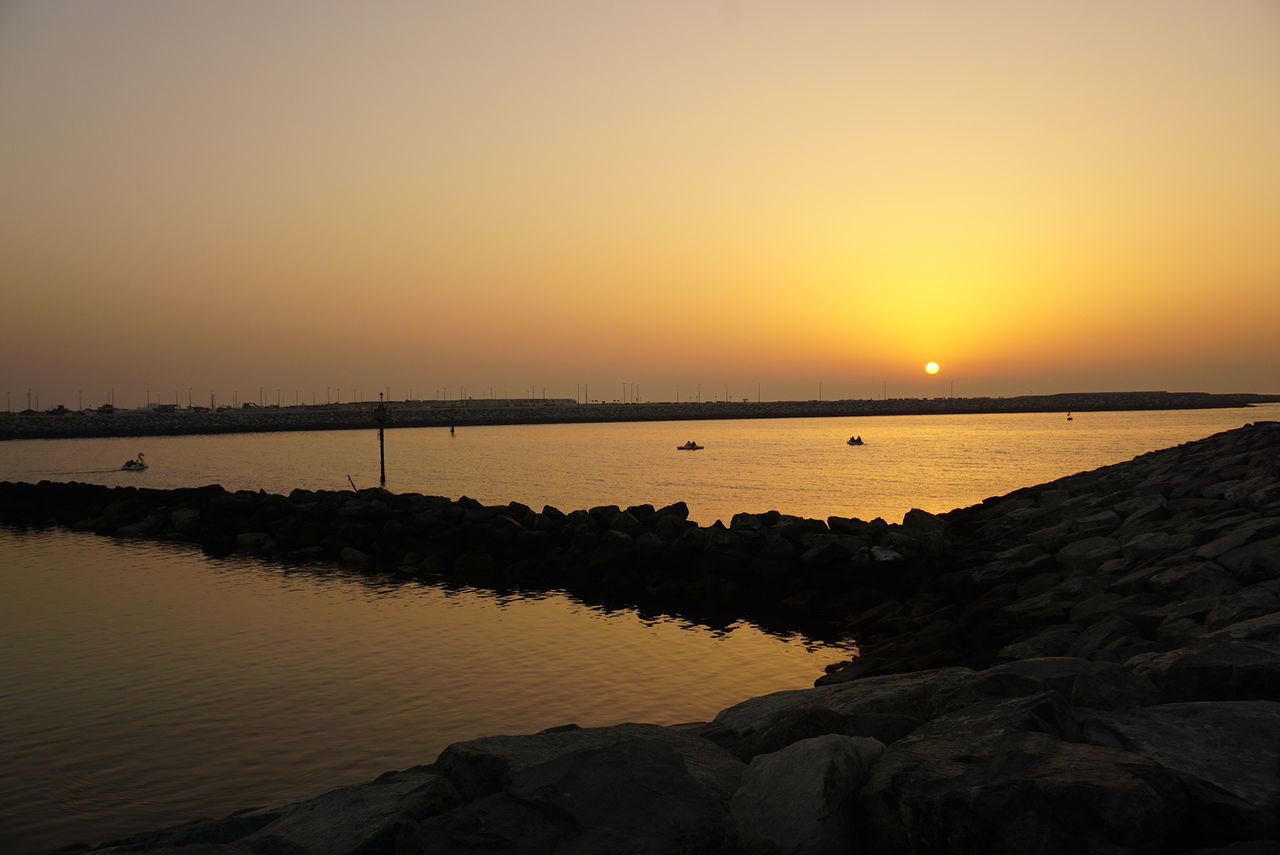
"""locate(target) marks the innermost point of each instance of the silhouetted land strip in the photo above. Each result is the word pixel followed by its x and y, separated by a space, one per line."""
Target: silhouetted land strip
pixel 1087 665
pixel 501 412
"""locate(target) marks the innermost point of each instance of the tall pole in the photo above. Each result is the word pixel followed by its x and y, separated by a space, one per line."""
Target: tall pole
pixel 380 416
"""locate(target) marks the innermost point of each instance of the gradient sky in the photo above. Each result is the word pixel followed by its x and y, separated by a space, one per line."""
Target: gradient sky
pixel 1041 196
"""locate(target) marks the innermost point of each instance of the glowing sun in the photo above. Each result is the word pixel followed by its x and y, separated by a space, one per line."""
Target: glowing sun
pixel 931 368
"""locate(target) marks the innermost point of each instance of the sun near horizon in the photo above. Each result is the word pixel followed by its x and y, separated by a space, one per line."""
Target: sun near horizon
pixel 932 368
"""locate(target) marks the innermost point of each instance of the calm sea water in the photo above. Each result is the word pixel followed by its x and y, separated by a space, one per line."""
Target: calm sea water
pixel 798 466
pixel 146 684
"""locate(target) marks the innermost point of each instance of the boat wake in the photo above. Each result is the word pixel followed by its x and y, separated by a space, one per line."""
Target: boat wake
pixel 88 471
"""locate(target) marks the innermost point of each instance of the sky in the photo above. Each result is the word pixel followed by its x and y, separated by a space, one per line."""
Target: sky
pixel 746 198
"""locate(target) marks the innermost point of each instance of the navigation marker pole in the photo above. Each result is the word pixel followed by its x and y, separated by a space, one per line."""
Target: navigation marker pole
pixel 380 416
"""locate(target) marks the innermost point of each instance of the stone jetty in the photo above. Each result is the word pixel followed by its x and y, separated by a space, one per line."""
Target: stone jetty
pixel 1089 665
pixel 63 423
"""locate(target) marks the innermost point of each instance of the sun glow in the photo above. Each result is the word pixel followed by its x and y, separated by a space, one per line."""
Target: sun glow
pixel 931 368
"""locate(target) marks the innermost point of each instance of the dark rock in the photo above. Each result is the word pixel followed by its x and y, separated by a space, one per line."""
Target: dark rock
pixel 1226 752
pixel 627 524
pixel 1053 640
pixel 1086 555
pixel 1053 538
pixel 378 816
pixel 1264 627
pixel 1102 522
pixel 918 520
pixel 1214 670
pixel 644 514
pixel 802 798
pixel 1016 793
pixel 1098 685
pixel 485 766
pixel 1240 847
pixel 1205 578
pixel 1094 640
pixel 825 554
pixel 1252 602
pixel 627 789
pixel 670 527
pixel 552 518
pixel 603 515
pixel 678 510
pixel 850 527
pixel 794 724
pixel 1258 561
pixel 1100 605
pixel 649 548
pixel 905 698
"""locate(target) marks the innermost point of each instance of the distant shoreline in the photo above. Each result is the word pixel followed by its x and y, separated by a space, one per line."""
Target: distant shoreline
pixel 502 412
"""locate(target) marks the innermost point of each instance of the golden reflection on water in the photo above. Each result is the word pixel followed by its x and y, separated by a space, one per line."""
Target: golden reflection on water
pixel 147 684
pixel 797 466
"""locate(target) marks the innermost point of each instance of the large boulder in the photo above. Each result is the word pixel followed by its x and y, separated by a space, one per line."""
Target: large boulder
pixel 1214 670
pixel 885 708
pixel 1014 793
pixel 379 816
pixel 801 800
pixel 1088 554
pixel 633 789
pixel 1081 682
pixel 1226 752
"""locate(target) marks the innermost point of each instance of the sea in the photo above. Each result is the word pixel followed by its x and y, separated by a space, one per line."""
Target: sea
pixel 147 684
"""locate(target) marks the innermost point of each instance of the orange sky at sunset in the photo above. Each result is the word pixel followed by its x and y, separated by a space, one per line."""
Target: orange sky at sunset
pixel 1040 196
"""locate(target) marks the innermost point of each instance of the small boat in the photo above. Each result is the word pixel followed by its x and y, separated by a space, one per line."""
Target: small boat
pixel 855 440
pixel 689 446
pixel 135 465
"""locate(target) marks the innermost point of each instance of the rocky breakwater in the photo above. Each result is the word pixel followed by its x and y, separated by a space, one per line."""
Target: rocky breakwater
pixel 1089 665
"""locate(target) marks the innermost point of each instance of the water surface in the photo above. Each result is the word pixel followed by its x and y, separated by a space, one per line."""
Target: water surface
pixel 146 684
pixel 798 466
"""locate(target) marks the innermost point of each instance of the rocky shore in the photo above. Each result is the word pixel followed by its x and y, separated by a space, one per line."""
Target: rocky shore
pixel 34 425
pixel 1088 665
